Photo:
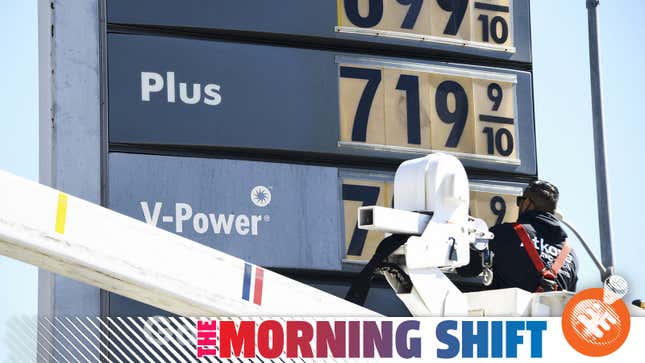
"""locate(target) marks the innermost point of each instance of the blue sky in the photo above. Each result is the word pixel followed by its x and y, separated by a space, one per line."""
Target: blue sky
pixel 563 121
pixel 562 109
pixel 18 143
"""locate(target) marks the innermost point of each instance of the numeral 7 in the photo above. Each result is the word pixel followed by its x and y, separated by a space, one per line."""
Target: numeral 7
pixel 373 77
pixel 369 196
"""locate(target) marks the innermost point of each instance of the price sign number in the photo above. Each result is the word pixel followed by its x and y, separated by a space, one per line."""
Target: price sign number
pixel 492 22
pixel 494 208
pixel 452 122
pixel 361 244
pixel 495 108
pixel 408 16
pixel 468 22
pixel 427 111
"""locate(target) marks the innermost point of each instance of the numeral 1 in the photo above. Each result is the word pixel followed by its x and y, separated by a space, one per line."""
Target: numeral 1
pixel 410 84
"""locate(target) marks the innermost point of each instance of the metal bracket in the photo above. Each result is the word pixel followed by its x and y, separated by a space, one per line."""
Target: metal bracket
pixel 487 266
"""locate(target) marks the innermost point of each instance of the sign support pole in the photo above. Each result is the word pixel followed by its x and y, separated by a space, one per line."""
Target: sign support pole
pixel 599 140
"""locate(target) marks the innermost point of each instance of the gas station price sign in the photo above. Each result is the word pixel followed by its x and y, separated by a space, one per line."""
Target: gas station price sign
pixel 316 101
pixel 483 24
pixel 401 106
pixel 492 202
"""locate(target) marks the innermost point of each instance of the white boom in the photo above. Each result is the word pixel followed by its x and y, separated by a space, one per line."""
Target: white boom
pixel 72 237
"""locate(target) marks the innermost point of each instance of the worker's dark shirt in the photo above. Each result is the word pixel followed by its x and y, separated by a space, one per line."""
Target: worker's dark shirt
pixel 512 266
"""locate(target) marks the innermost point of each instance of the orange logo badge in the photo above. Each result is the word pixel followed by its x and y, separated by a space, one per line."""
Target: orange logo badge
pixel 596 322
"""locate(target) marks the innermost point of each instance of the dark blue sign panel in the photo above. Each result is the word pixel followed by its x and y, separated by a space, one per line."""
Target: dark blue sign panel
pixel 270 214
pixel 190 92
pixel 484 28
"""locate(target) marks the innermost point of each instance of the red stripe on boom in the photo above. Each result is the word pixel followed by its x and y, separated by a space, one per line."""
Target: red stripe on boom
pixel 257 292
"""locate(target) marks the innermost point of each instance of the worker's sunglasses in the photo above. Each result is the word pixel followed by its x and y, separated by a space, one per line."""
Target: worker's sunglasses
pixel 519 200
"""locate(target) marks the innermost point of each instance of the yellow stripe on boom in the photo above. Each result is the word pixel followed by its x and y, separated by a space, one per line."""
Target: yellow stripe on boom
pixel 61 213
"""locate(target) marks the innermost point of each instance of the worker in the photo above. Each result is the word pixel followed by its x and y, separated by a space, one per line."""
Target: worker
pixel 546 262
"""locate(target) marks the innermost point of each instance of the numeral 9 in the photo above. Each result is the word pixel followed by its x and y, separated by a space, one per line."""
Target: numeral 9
pixel 459 116
pixel 458 10
pixel 496 95
pixel 412 14
pixel 500 211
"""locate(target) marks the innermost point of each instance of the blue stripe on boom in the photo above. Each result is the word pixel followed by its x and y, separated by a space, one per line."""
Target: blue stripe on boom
pixel 246 287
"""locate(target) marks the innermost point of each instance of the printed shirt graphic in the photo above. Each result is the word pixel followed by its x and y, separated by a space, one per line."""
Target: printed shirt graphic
pixel 549 253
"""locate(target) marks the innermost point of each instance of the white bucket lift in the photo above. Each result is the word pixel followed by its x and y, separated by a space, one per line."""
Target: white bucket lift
pixel 431 198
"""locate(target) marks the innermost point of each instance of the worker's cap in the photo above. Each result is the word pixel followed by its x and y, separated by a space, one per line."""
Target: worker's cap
pixel 543 194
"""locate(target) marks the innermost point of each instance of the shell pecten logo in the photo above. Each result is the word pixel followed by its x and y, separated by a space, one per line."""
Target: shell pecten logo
pixel 261 196
pixel 596 322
